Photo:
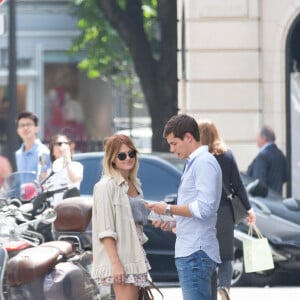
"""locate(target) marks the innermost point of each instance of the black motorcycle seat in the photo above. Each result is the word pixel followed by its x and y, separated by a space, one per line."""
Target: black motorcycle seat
pixel 31 264
pixel 66 249
pixel 73 214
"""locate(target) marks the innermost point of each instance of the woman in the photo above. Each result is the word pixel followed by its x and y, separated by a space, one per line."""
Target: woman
pixel 225 222
pixel 118 217
pixel 72 171
pixel 5 169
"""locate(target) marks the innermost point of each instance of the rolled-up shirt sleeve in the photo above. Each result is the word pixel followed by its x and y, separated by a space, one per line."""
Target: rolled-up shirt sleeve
pixel 208 189
pixel 194 209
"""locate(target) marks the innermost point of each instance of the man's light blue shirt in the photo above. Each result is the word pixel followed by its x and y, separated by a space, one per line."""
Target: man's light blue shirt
pixel 30 160
pixel 200 188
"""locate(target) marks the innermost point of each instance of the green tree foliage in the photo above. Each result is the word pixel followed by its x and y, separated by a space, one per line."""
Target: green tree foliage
pixel 120 35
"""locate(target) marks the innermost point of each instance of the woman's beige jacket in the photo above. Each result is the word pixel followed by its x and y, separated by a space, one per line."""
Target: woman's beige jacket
pixel 112 217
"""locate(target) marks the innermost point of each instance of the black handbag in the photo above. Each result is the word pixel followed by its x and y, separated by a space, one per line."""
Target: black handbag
pixel 145 293
pixel 238 208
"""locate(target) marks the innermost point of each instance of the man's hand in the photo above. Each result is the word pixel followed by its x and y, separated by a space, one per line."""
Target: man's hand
pixel 158 207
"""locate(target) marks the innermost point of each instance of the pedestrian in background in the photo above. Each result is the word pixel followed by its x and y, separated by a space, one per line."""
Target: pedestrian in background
pixel 199 194
pixel 70 174
pixel 118 217
pixel 5 169
pixel 209 135
pixel 270 165
pixel 32 156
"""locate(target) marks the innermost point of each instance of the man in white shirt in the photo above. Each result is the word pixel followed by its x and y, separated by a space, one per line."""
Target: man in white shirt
pixel 199 194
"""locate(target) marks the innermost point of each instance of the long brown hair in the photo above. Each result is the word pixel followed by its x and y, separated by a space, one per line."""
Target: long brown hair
pixel 209 135
pixel 112 147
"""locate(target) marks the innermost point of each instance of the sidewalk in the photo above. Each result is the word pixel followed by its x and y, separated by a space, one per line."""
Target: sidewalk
pixel 241 293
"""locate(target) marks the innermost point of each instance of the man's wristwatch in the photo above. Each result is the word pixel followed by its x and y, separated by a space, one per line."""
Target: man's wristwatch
pixel 168 211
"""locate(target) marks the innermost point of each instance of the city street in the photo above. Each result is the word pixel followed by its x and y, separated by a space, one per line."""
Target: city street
pixel 242 293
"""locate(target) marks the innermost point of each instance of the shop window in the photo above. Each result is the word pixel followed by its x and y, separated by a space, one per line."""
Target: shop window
pixel 76 105
pixel 21 94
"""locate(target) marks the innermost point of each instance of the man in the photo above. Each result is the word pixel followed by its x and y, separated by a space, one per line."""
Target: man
pixel 270 165
pixel 32 155
pixel 199 193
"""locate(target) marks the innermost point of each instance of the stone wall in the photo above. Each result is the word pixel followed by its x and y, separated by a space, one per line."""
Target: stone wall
pixel 234 74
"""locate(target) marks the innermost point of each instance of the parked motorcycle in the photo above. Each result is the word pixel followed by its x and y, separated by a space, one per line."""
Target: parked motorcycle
pixel 73 224
pixel 51 270
pixel 20 188
pixel 279 220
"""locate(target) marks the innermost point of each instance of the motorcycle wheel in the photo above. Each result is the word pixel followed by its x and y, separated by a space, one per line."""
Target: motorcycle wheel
pixel 263 278
pixel 259 279
pixel 240 278
pixel 237 266
pixel 238 271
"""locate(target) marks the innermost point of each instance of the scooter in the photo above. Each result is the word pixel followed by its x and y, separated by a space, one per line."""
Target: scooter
pixel 51 270
pixel 22 190
pixel 22 187
pixel 278 219
pixel 73 224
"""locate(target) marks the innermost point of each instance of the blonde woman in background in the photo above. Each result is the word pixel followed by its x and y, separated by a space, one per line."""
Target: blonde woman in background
pixel 209 135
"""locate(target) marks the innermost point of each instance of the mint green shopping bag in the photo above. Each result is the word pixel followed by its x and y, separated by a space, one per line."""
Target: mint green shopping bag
pixel 257 252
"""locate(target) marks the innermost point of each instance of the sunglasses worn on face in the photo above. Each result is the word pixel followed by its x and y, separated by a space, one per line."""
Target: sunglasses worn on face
pixel 123 155
pixel 61 143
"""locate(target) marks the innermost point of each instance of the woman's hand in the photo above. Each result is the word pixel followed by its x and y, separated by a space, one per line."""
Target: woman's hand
pixel 118 273
pixel 165 226
pixel 251 219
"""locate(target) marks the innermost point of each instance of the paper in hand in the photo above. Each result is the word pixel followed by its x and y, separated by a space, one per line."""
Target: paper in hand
pixel 154 216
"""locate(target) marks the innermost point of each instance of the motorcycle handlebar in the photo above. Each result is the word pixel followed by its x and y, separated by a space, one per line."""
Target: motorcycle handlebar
pixel 40 199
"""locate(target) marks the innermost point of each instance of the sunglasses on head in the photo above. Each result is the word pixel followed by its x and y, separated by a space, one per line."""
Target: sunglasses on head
pixel 61 143
pixel 123 155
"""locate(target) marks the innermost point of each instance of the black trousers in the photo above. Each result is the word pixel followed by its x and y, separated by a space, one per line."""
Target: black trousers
pixel 214 288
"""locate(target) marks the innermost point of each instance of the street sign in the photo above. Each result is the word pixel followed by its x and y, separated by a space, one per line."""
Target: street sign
pixel 2 24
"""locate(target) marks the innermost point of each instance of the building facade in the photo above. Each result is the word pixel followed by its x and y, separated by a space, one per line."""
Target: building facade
pixel 239 62
pixel 48 80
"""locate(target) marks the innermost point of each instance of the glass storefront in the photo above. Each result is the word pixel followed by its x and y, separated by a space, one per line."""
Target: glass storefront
pixel 62 105
pixel 21 93
pixel 75 104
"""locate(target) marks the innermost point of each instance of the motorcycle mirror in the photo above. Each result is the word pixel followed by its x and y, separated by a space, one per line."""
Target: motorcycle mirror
pixel 257 189
pixel 292 204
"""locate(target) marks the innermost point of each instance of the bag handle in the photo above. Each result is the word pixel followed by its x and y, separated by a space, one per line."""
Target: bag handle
pixel 153 285
pixel 257 231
